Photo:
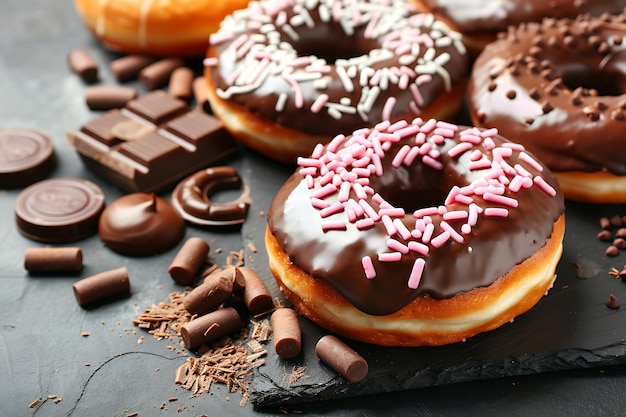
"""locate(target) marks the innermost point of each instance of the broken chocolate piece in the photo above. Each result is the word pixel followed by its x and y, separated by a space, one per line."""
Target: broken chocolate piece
pixel 152 143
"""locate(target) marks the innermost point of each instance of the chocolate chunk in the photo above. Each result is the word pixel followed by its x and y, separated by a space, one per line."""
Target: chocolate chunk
pixel 287 334
pixel 208 296
pixel 256 295
pixel 210 327
pixel 192 198
pixel 612 302
pixel 158 73
pixel 129 66
pixel 152 143
pixel 26 156
pixel 53 260
pixel 180 83
pixel 140 224
pixel 102 286
pixel 59 210
pixel 342 358
pixel 188 261
pixel 83 64
pixel 106 97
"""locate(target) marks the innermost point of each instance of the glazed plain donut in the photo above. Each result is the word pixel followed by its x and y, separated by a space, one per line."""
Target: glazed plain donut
pixel 155 27
pixel 422 233
pixel 481 20
pixel 559 88
pixel 283 76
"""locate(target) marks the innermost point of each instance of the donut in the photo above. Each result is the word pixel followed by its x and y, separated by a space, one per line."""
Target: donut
pixel 286 75
pixel 416 233
pixel 559 88
pixel 155 27
pixel 481 20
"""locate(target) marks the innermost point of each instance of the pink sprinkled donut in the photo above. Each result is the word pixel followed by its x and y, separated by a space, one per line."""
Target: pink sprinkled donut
pixel 416 233
pixel 284 75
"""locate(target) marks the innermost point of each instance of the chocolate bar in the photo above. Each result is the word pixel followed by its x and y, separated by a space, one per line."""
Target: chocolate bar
pixel 151 143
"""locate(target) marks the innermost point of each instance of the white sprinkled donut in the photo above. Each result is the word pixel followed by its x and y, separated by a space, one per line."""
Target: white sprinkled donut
pixel 285 75
pixel 416 233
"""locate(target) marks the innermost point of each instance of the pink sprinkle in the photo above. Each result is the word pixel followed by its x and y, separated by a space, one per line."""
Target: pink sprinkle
pixel 450 198
pixel 469 138
pixel 333 225
pixel 319 103
pixel 515 146
pixel 319 204
pixel 310 182
pixel 440 239
pixel 344 192
pixel 501 152
pixel 466 229
pixel 489 144
pixel 455 215
pixel 426 148
pixel 324 191
pixel 416 273
pixel 476 155
pixel 417 96
pixel 459 149
pixel 332 209
pixel 210 62
pixel 489 133
pixel 496 212
pixel 429 229
pixel 500 199
pixel 368 210
pixel 307 171
pixel 309 162
pixel 388 108
pixel 463 199
pixel 365 223
pixel 397 125
pixel 392 212
pixel 474 210
pixel 407 131
pixel 368 267
pixel 352 217
pixel 418 247
pixel 403 231
pixel 420 138
pixel 516 183
pixel 437 139
pixel 447 125
pixel 433 163
pixel 397 246
pixel 523 156
pixel 389 257
pixel 428 126
pixel 389 226
pixel 399 157
pixel 547 188
pixel 454 235
pixel 527 182
pixel 358 210
pixel 522 171
pixel 335 142
pixel 484 163
pixel 428 211
pixel 359 191
pixel 445 132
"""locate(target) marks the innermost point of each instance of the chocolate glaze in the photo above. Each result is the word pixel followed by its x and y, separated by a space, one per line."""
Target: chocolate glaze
pixel 140 224
pixel 558 87
pixel 469 16
pixel 329 41
pixel 492 248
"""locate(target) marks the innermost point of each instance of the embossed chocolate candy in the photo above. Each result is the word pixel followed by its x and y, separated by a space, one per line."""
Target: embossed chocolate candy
pixel 192 198
pixel 152 143
pixel 26 156
pixel 59 210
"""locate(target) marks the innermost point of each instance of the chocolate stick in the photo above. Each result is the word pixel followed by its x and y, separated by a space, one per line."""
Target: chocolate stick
pixel 101 286
pixel 210 327
pixel 342 358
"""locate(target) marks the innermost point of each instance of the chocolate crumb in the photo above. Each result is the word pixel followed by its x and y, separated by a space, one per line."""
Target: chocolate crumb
pixel 612 302
pixel 35 403
pixel 85 334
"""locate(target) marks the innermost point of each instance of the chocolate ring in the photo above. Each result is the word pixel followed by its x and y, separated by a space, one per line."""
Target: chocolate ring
pixel 191 198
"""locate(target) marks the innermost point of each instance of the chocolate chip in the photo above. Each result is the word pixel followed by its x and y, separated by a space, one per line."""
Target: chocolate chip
pixel 546 107
pixel 611 251
pixel 605 235
pixel 612 302
pixel 621 232
pixel 619 243
pixel 616 220
pixel 510 94
pixel 605 223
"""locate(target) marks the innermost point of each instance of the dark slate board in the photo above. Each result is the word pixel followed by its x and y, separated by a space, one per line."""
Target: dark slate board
pixel 109 373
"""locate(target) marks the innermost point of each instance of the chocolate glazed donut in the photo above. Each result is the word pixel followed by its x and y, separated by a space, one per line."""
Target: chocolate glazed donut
pixel 284 76
pixel 480 20
pixel 420 236
pixel 559 88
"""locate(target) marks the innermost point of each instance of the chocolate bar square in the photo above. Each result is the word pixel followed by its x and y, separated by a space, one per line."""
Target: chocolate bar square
pixel 152 143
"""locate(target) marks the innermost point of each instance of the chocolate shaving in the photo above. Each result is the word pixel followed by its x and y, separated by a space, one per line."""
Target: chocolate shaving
pixel 165 319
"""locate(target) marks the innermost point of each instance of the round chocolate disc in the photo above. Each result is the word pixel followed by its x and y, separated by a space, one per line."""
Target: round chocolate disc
pixel 26 156
pixel 59 210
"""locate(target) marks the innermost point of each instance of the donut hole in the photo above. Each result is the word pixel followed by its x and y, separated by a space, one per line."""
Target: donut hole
pixel 413 189
pixel 329 42
pixel 607 81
